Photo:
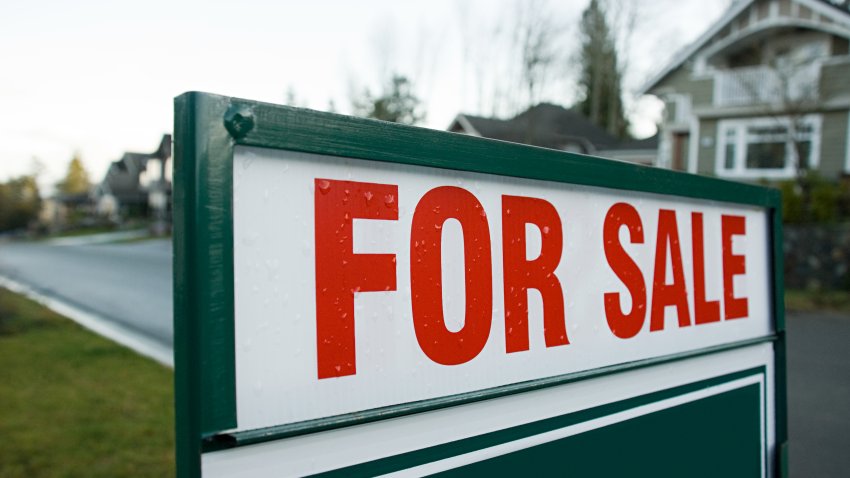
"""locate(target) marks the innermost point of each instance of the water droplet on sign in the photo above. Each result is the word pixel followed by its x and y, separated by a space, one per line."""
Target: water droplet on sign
pixel 324 186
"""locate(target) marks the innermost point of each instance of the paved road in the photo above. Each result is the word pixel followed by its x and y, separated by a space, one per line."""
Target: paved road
pixel 819 395
pixel 128 283
pixel 131 283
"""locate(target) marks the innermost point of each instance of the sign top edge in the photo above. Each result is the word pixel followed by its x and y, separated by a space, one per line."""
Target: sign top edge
pixel 269 125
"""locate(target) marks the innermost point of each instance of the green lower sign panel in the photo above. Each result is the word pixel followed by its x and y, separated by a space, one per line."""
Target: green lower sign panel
pixel 711 437
pixel 719 435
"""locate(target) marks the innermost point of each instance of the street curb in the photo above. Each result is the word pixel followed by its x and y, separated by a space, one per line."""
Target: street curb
pixel 112 331
pixel 103 238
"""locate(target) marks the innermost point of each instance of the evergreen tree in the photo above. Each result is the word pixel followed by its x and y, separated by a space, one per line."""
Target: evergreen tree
pixel 600 81
pixel 396 103
pixel 76 179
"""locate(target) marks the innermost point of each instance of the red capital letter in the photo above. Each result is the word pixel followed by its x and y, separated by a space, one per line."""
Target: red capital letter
pixel 521 275
pixel 426 235
pixel 621 324
pixel 675 294
pixel 340 273
pixel 733 264
pixel 705 311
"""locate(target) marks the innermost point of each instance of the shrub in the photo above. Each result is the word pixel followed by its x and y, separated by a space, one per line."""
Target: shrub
pixel 828 201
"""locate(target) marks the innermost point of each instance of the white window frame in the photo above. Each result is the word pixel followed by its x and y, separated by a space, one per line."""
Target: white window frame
pixel 739 168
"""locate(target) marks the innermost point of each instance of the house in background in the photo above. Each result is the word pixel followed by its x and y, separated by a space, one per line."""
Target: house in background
pixel 766 86
pixel 138 185
pixel 552 126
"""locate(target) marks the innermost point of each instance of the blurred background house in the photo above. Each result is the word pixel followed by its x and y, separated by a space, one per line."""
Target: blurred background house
pixel 763 94
pixel 138 186
pixel 135 192
pixel 555 127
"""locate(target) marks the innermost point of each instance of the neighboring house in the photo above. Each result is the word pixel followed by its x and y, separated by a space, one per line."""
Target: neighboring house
pixel 766 86
pixel 551 126
pixel 61 210
pixel 139 184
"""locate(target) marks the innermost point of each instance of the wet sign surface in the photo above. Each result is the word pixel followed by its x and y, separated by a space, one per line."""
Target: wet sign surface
pixel 363 299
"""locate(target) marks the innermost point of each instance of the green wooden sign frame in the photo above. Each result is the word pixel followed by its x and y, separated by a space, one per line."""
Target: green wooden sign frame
pixel 208 128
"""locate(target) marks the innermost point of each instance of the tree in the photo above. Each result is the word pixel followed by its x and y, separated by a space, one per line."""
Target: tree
pixel 600 82
pixel 20 203
pixel 515 63
pixel 76 179
pixel 396 103
pixel 536 36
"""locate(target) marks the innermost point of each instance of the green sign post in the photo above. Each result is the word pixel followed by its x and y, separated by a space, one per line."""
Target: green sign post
pixel 358 298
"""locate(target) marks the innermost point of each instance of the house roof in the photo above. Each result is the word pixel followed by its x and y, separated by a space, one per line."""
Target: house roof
pixel 635 144
pixel 837 10
pixel 122 177
pixel 548 126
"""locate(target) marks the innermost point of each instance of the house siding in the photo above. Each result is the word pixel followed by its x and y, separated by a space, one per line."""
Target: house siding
pixel 681 81
pixel 833 146
pixel 840 46
pixel 763 10
pixel 834 80
pixel 707 150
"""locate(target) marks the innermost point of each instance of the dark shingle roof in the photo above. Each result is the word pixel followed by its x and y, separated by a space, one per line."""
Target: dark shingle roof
pixel 632 144
pixel 552 126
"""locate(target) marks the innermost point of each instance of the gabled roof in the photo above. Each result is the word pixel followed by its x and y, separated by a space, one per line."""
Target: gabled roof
pixel 637 144
pixel 122 177
pixel 548 126
pixel 837 10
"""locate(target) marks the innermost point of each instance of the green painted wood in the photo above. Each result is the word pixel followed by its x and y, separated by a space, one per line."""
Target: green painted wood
pixel 214 275
pixel 186 346
pixel 716 436
pixel 712 427
pixel 779 358
pixel 205 392
pixel 281 127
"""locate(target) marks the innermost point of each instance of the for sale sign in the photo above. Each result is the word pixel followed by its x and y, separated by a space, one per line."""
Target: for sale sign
pixel 357 299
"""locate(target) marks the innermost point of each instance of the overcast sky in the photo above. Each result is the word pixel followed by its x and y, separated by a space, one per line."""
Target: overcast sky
pixel 99 77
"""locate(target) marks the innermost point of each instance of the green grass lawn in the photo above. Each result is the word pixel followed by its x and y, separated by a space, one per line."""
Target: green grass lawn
pixel 75 404
pixel 83 231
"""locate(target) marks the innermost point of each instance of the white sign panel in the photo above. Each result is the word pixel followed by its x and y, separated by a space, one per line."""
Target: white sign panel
pixel 362 284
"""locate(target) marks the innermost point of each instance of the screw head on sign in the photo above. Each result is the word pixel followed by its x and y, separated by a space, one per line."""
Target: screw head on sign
pixel 239 120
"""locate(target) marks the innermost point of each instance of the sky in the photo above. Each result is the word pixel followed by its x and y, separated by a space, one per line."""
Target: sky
pixel 98 78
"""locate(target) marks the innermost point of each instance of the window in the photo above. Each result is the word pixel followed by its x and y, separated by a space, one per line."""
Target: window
pixel 767 148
